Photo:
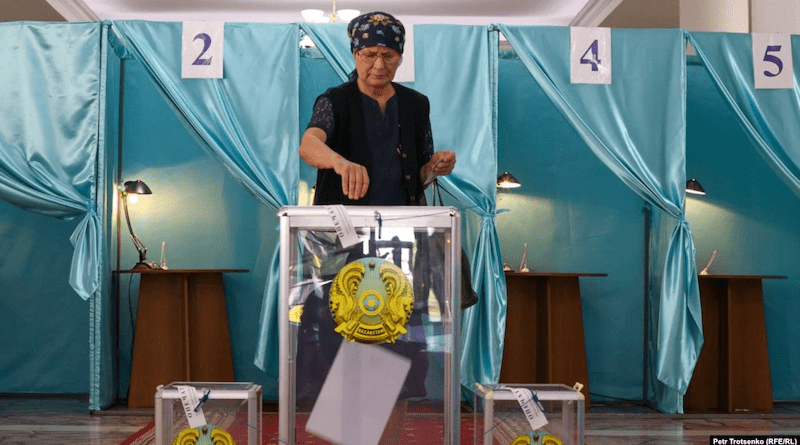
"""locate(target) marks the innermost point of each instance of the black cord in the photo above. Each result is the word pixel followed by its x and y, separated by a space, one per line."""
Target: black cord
pixel 130 307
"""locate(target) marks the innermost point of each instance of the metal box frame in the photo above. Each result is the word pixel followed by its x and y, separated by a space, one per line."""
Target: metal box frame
pixel 296 220
pixel 497 412
pixel 167 399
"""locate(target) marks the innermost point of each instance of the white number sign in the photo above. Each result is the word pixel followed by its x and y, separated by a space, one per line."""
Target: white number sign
pixel 772 61
pixel 202 50
pixel 590 55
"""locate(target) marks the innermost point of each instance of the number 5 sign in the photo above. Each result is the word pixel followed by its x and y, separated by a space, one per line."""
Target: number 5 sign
pixel 772 61
pixel 590 55
pixel 202 49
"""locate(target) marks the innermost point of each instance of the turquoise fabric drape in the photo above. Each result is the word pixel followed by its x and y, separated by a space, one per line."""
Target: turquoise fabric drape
pixel 462 87
pixel 49 134
pixel 51 147
pixel 770 117
pixel 637 127
pixel 247 120
pixel 332 42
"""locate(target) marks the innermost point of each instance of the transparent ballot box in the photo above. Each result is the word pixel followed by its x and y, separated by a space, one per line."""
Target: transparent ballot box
pixel 502 413
pixel 369 319
pixel 232 407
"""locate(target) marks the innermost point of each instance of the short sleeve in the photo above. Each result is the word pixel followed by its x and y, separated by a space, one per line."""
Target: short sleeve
pixel 322 117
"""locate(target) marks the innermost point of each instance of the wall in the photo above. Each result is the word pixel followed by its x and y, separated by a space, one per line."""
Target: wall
pixel 575 216
pixel 44 324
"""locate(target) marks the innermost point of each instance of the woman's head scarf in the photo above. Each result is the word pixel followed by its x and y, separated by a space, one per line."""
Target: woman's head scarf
pixel 376 29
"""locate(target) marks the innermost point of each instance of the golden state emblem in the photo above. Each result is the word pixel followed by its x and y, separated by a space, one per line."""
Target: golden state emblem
pixel 371 301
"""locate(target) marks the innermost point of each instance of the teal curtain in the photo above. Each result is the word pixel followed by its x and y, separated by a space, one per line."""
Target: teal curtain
pixel 49 135
pixel 456 67
pixel 769 116
pixel 332 42
pixel 637 127
pixel 247 120
pixel 51 148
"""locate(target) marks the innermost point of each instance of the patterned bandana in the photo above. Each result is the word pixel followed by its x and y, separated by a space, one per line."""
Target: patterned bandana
pixel 376 29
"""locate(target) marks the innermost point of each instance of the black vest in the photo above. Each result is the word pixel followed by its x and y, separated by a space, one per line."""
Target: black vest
pixel 350 141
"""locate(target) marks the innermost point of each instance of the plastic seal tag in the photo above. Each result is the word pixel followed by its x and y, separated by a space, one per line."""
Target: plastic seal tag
pixel 530 407
pixel 343 225
pixel 190 402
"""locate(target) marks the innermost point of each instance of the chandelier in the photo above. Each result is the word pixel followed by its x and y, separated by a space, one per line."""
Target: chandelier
pixel 318 15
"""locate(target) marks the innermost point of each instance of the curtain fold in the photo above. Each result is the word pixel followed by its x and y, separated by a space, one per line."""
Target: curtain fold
pixel 49 134
pixel 462 88
pixel 768 116
pixel 247 120
pixel 637 127
pixel 332 42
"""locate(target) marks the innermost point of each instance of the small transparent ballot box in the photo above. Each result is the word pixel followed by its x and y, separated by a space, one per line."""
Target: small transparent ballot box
pixel 234 407
pixel 500 418
pixel 369 318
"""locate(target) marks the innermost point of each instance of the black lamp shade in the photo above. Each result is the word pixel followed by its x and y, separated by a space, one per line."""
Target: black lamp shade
pixel 694 187
pixel 507 181
pixel 137 187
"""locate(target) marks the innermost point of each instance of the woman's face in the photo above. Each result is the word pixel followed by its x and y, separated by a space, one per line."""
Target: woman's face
pixel 376 65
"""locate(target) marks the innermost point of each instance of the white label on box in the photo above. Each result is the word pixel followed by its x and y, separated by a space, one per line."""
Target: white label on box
pixel 202 46
pixel 191 403
pixel 343 225
pixel 772 61
pixel 530 407
pixel 590 55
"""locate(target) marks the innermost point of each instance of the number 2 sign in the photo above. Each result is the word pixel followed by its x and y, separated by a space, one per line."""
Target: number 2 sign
pixel 202 45
pixel 590 55
pixel 772 61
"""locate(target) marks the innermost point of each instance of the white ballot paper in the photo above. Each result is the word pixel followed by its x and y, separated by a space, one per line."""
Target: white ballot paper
pixel 358 395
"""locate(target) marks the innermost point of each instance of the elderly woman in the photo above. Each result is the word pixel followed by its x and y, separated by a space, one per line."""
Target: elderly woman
pixel 370 138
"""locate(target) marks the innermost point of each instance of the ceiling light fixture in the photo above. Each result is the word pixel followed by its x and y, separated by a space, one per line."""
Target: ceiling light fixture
pixel 318 15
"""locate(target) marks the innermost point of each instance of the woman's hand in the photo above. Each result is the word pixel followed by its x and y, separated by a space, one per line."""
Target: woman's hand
pixel 355 180
pixel 441 163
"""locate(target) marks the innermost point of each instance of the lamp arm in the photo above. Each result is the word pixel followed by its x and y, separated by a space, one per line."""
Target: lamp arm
pixel 136 241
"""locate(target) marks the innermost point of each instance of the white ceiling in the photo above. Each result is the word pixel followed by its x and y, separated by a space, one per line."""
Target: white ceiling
pixel 534 12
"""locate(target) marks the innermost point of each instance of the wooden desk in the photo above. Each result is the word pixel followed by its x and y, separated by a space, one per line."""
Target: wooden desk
pixel 181 331
pixel 732 371
pixel 544 340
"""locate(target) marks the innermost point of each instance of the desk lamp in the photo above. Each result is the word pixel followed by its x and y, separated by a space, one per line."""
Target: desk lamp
pixel 134 188
pixel 694 187
pixel 507 181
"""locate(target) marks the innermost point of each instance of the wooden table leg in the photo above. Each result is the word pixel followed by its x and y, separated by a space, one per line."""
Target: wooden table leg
pixel 158 340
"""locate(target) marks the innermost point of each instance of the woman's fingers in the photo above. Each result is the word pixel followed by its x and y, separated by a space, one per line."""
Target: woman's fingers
pixel 355 181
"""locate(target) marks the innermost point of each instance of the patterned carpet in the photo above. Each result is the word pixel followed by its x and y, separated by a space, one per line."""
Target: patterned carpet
pixel 417 430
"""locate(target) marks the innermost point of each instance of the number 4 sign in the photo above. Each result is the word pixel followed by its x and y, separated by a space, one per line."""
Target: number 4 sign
pixel 772 61
pixel 202 49
pixel 590 55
